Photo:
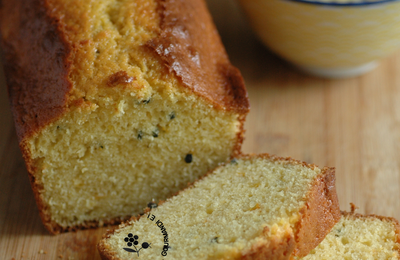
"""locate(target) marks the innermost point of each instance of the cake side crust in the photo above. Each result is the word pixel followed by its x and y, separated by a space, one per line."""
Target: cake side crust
pixel 37 61
pixel 277 248
pixel 319 215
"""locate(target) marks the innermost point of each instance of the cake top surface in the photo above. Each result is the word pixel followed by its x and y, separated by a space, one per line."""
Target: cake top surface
pixel 82 50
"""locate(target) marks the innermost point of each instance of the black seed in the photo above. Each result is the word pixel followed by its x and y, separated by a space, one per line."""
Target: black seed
pixel 152 205
pixel 146 101
pixel 214 240
pixel 131 239
pixel 135 243
pixel 234 161
pixel 101 147
pixel 126 239
pixel 140 135
pixel 136 237
pixel 130 235
pixel 145 245
pixel 58 127
pixel 156 132
pixel 188 158
pixel 172 115
pixel 129 244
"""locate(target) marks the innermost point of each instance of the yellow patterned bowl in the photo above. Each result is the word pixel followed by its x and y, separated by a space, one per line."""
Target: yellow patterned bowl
pixel 332 39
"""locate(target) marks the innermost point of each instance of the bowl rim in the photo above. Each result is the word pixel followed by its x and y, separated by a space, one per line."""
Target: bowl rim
pixel 337 4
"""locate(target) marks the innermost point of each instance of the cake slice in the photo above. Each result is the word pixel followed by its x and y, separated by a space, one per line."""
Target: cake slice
pixel 117 102
pixel 255 207
pixel 360 237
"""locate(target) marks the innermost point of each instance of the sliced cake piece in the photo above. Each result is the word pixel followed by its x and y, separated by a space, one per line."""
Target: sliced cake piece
pixel 255 207
pixel 360 237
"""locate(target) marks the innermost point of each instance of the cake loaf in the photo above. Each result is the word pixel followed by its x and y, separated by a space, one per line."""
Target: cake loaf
pixel 255 207
pixel 357 236
pixel 117 102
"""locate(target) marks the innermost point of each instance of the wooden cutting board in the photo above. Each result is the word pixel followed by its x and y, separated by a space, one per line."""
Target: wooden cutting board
pixel 352 124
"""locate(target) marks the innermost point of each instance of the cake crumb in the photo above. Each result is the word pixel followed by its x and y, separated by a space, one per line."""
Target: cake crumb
pixel 353 207
pixel 61 256
pixel 119 78
pixel 41 251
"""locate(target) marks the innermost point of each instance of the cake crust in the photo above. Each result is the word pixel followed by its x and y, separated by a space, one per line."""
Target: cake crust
pixel 196 55
pixel 37 63
pixel 39 57
pixel 319 215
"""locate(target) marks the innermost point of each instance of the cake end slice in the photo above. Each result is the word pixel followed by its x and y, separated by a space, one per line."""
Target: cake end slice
pixel 358 236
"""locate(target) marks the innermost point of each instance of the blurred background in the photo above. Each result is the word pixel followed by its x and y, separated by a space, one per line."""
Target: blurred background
pixel 351 124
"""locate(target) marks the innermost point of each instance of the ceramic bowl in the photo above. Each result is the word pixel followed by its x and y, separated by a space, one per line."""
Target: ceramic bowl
pixel 327 38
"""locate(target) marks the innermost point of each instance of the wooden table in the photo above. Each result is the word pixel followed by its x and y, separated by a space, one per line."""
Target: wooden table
pixel 352 124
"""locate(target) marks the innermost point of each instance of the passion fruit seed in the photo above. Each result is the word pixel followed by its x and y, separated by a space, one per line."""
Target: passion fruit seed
pixel 189 158
pixel 152 205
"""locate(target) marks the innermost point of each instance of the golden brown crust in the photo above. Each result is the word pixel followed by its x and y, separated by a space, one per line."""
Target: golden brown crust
pixel 354 215
pixel 319 215
pixel 189 45
pixel 38 55
pixel 277 248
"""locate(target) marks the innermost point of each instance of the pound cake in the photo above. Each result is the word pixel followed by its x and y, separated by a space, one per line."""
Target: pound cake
pixel 117 102
pixel 255 207
pixel 360 237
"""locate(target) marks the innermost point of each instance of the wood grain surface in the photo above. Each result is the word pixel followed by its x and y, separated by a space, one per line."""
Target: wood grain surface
pixel 352 124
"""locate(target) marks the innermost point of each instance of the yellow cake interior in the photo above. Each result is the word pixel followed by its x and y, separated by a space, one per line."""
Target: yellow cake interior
pixel 247 202
pixel 132 132
pixel 358 238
